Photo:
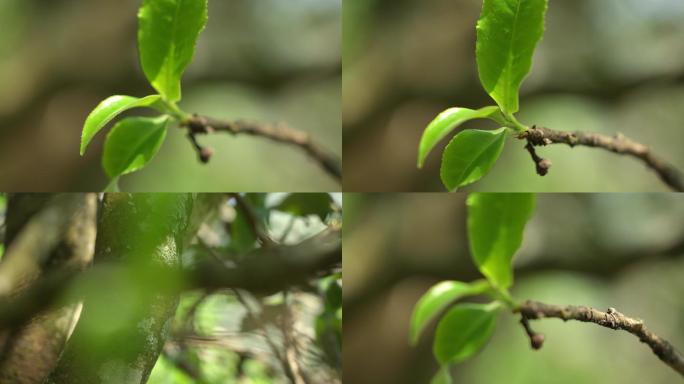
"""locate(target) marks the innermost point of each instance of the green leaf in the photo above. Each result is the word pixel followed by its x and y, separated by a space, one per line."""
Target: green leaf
pixel 443 376
pixel 436 299
pixel 305 204
pixel 470 155
pixel 446 122
pixel 167 34
pixel 132 143
pixel 507 33
pixel 463 331
pixel 496 222
pixel 107 110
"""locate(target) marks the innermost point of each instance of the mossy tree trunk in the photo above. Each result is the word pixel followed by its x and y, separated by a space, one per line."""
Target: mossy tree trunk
pixel 125 320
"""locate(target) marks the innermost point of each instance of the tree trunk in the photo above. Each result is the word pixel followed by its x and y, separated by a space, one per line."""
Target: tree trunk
pixel 44 232
pixel 125 321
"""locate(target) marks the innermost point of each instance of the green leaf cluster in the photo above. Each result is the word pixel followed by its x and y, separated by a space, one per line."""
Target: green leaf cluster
pixel 167 34
pixel 496 223
pixel 507 34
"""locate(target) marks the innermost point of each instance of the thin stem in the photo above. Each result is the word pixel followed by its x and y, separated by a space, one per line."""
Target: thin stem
pixel 113 185
pixel 540 136
pixel 666 352
pixel 330 163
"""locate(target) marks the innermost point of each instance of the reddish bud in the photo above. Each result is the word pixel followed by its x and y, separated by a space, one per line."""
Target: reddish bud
pixel 206 154
pixel 537 340
pixel 543 167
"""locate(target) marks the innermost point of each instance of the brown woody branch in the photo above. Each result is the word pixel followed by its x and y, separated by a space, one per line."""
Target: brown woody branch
pixel 533 310
pixel 200 125
pixel 540 136
pixel 264 271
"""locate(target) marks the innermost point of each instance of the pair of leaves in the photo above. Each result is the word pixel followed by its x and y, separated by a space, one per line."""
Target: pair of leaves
pixel 133 142
pixel 507 34
pixel 470 154
pixel 463 330
pixel 436 299
pixel 167 34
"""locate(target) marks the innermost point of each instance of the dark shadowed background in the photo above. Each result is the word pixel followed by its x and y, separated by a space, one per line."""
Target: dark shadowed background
pixel 264 60
pixel 600 250
pixel 604 66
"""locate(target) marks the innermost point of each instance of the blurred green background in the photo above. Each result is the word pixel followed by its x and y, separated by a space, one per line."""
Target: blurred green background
pixel 600 250
pixel 229 336
pixel 604 66
pixel 262 60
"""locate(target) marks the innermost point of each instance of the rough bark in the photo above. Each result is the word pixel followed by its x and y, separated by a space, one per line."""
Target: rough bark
pixel 534 310
pixel 541 136
pixel 122 330
pixel 44 233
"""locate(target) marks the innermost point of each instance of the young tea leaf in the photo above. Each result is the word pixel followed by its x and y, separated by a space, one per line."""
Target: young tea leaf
pixel 496 222
pixel 446 122
pixel 167 34
pixel 436 299
pixel 132 143
pixel 463 331
pixel 470 155
pixel 107 110
pixel 507 33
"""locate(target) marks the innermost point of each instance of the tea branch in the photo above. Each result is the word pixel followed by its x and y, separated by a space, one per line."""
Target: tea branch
pixel 540 136
pixel 534 310
pixel 200 125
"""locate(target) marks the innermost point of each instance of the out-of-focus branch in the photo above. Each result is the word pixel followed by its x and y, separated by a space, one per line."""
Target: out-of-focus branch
pixel 32 247
pixel 255 224
pixel 200 125
pixel 533 310
pixel 265 270
pixel 540 136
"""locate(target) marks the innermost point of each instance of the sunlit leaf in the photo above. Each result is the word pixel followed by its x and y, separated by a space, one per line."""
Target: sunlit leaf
pixel 107 110
pixel 446 122
pixel 132 143
pixel 437 299
pixel 470 155
pixel 167 34
pixel 507 33
pixel 463 331
pixel 496 222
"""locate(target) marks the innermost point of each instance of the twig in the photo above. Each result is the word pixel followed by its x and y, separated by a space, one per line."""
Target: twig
pixel 542 165
pixel 254 223
pixel 536 339
pixel 533 310
pixel 287 369
pixel 540 136
pixel 289 343
pixel 200 125
pixel 288 229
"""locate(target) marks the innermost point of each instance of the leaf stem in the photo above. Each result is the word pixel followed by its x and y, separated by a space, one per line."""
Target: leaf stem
pixel 503 296
pixel 172 109
pixel 113 185
pixel 514 124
